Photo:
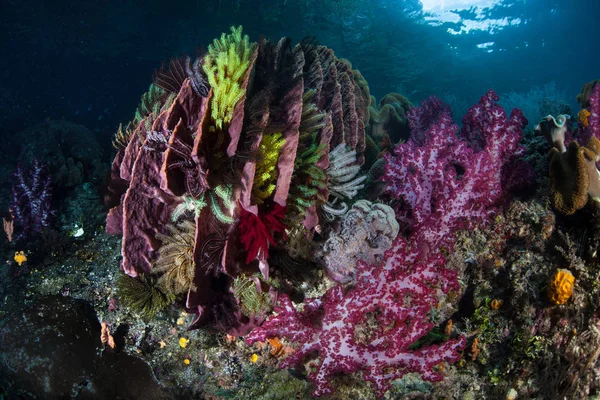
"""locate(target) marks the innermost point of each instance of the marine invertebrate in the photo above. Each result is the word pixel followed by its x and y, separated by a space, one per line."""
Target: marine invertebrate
pixel 573 176
pixel 122 136
pixel 582 117
pixel 342 179
pixel 426 175
pixel 365 233
pixel 175 262
pixel 265 175
pixel 179 157
pixel 20 257
pixel 561 286
pixel 210 259
pixel 225 65
pixel 31 203
pixel 583 98
pixel 256 231
pixel 389 117
pixel 143 295
pixel 252 299
pixel 311 179
pixel 496 304
pixel 218 199
pixel 555 130
pixel 196 79
pixel 202 154
pixel 170 77
pixel 331 346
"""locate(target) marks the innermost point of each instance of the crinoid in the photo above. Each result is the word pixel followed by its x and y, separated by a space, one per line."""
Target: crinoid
pixel 343 182
pixel 211 254
pixel 176 258
pixel 143 295
pixel 195 173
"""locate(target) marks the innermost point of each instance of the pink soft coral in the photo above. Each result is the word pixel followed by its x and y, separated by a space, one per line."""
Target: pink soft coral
pixel 337 334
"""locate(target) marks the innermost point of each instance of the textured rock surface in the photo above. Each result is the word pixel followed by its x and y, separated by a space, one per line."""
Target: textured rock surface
pixel 52 350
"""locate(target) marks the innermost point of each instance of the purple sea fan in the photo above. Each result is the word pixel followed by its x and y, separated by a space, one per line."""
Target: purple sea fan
pixel 32 198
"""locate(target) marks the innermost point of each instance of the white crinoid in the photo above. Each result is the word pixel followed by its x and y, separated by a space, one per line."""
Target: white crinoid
pixel 343 180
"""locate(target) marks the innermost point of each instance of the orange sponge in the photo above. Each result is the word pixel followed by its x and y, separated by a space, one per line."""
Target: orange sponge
pixel 561 286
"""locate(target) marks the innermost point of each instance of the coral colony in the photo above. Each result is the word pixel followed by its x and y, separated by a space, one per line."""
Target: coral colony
pixel 239 165
pixel 31 205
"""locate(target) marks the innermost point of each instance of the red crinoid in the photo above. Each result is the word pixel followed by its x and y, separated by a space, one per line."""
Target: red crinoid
pixel 256 231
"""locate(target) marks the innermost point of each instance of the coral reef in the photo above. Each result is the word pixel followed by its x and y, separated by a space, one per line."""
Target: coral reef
pixel 240 164
pixel 238 197
pixel 335 335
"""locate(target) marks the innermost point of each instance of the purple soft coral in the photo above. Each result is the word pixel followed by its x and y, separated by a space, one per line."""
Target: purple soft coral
pixel 370 328
pixel 31 202
pixel 447 183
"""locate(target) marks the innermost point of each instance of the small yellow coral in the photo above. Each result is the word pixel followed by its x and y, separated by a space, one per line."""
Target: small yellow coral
pixel 187 361
pixel 20 257
pixel 583 116
pixel 254 358
pixel 183 342
pixel 561 286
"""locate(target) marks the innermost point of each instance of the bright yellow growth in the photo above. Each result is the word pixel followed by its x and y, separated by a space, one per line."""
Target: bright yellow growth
pixel 225 65
pixel 561 286
pixel 254 358
pixel 496 304
pixel 265 175
pixel 187 361
pixel 183 342
pixel 583 116
pixel 20 257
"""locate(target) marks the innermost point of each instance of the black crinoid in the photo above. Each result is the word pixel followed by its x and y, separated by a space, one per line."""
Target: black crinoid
pixel 210 257
pixel 196 172
pixel 172 76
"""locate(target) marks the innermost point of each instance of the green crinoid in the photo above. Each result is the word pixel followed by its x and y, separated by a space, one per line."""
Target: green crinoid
pixel 143 295
pixel 265 175
pixel 225 65
pixel 252 301
pixel 219 199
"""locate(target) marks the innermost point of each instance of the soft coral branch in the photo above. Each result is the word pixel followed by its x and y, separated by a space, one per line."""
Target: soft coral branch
pixel 31 202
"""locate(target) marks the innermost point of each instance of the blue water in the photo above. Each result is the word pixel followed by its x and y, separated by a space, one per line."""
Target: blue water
pixel 88 62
